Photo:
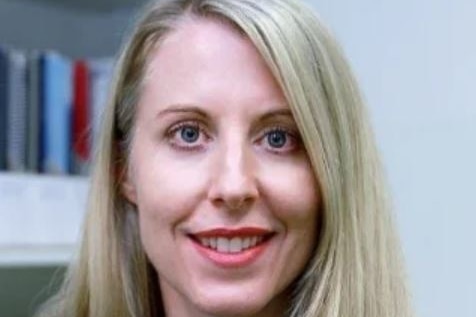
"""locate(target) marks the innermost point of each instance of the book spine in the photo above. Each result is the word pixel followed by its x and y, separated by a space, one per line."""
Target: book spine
pixel 3 107
pixel 41 111
pixel 33 112
pixel 17 113
pixel 57 114
pixel 80 127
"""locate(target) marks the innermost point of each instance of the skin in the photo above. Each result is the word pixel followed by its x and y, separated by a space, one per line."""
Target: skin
pixel 215 145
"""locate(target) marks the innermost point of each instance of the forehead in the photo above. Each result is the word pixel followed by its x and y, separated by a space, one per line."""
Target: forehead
pixel 208 62
pixel 196 39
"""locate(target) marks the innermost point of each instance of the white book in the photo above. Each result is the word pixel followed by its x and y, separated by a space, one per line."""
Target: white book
pixel 17 112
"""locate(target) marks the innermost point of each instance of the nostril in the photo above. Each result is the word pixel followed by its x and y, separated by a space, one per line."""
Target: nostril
pixel 236 204
pixel 233 184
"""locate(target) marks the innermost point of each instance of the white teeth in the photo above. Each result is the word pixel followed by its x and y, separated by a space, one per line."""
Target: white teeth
pixel 205 241
pixel 213 243
pixel 246 243
pixel 223 245
pixel 233 245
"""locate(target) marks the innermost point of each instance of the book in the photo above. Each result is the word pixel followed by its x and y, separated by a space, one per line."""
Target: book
pixel 3 106
pixel 50 110
pixel 81 118
pixel 56 113
pixel 17 112
pixel 33 139
pixel 42 117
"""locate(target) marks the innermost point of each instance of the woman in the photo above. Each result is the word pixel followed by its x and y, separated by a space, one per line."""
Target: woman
pixel 236 175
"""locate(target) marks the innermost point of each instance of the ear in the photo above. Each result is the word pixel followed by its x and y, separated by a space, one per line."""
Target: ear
pixel 127 184
pixel 123 174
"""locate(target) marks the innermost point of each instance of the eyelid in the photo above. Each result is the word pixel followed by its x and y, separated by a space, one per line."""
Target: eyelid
pixel 291 133
pixel 200 124
pixel 279 127
pixel 186 123
pixel 170 134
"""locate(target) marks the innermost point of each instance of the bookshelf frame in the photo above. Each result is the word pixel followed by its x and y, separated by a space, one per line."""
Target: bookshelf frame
pixel 40 218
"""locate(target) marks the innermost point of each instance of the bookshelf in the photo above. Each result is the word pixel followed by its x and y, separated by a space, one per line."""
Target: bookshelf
pixel 40 218
pixel 41 215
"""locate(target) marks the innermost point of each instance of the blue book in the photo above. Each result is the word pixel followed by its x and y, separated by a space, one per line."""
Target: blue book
pixel 57 100
pixel 3 107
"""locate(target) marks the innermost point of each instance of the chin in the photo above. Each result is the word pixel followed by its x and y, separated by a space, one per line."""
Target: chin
pixel 232 309
pixel 232 305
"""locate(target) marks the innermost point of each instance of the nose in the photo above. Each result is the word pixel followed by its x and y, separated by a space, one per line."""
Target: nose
pixel 234 184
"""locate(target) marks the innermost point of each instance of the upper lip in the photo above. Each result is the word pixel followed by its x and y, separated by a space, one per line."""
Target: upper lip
pixel 232 232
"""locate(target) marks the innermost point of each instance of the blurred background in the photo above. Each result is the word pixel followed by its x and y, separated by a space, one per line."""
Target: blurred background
pixel 416 62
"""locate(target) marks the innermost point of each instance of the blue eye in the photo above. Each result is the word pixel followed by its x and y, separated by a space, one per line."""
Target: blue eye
pixel 190 134
pixel 277 139
pixel 280 140
pixel 187 135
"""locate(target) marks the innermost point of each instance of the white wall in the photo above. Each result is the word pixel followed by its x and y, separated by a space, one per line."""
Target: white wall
pixel 416 61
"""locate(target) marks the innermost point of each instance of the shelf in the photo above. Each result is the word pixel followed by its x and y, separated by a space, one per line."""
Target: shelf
pixel 40 218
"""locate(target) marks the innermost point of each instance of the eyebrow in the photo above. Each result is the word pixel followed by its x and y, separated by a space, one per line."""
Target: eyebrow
pixel 182 108
pixel 190 108
pixel 277 113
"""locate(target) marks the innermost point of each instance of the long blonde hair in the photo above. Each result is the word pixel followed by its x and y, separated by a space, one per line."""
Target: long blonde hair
pixel 356 270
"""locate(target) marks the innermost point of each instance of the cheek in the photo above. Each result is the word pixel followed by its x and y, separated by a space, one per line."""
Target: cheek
pixel 294 199
pixel 165 185
pixel 166 195
pixel 293 192
pixel 168 191
pixel 293 196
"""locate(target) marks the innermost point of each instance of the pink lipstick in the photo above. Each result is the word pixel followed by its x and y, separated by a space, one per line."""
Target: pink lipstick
pixel 232 247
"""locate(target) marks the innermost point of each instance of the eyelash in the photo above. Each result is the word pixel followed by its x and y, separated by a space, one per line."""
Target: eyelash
pixel 291 137
pixel 171 134
pixel 179 126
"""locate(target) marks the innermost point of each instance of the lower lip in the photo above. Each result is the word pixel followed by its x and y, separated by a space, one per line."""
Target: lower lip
pixel 232 260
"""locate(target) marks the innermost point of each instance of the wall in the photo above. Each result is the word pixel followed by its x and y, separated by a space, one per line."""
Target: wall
pixel 40 25
pixel 416 61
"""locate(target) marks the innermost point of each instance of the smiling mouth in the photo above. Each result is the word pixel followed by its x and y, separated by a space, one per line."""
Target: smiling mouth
pixel 230 245
pixel 232 248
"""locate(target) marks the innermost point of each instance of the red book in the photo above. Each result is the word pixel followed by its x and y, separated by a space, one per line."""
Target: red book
pixel 80 126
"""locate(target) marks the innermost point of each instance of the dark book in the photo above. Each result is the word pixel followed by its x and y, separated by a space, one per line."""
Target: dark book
pixel 33 112
pixel 3 107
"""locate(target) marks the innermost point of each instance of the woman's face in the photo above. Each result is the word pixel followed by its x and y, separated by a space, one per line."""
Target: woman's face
pixel 226 198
